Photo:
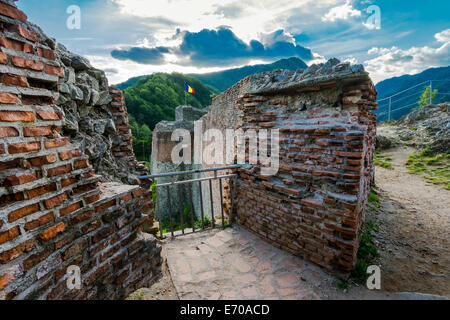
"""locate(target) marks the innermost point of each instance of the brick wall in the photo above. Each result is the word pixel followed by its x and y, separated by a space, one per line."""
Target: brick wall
pixel 53 211
pixel 124 151
pixel 314 206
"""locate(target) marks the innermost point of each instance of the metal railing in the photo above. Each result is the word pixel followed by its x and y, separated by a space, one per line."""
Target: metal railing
pixel 192 215
pixel 387 104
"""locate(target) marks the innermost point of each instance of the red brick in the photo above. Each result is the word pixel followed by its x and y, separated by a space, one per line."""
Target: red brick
pixel 57 71
pixel 82 217
pixel 13 80
pixel 59 170
pixel 23 212
pixel 81 164
pixel 8 132
pixel 55 201
pixel 3 58
pixel 16 45
pixel 92 199
pixel 40 161
pixel 34 259
pixel 12 12
pixel 36 192
pixel 27 34
pixel 91 226
pixel 66 155
pixel 52 232
pixel 8 98
pixel 13 116
pixel 45 53
pixel 105 205
pixel 39 131
pixel 9 235
pixel 22 178
pixel 7 276
pixel 68 181
pixel 65 211
pixel 348 154
pixel 47 218
pixel 27 64
pixel 310 202
pixel 56 143
pixel 102 234
pixel 48 115
pixel 13 164
pixel 13 253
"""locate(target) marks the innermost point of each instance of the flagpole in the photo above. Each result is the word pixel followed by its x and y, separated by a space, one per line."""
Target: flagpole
pixel 185 96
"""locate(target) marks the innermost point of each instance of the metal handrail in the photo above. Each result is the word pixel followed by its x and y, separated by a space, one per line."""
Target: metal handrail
pixel 169 174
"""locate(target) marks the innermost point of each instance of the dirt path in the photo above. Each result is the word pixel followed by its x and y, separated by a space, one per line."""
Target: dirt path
pixel 414 232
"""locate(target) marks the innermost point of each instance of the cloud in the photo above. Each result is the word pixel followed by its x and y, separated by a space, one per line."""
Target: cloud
pixel 229 11
pixel 392 62
pixel 142 55
pixel 220 47
pixel 343 12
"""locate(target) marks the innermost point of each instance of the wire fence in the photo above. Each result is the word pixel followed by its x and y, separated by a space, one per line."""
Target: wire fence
pixel 409 98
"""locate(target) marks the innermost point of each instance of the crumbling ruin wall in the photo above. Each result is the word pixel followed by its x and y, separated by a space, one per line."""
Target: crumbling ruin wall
pixel 185 195
pixel 314 206
pixel 54 212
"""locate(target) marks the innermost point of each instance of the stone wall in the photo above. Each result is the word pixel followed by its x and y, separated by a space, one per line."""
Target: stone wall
pixel 54 210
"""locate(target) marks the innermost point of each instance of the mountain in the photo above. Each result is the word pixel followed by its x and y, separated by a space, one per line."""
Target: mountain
pixel 406 101
pixel 223 80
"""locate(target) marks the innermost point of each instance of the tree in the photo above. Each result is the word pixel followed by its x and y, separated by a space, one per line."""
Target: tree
pixel 425 97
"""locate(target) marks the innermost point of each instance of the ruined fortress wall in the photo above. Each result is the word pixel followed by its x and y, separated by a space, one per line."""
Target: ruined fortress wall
pixel 314 206
pixel 54 212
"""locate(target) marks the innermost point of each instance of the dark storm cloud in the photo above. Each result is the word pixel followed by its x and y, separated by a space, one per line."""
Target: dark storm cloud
pixel 219 47
pixel 153 56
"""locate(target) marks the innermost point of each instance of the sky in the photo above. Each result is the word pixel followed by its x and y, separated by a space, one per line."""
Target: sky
pixel 128 38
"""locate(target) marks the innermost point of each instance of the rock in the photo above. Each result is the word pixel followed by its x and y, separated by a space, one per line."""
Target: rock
pixel 76 93
pixel 95 96
pixel 64 88
pixel 383 142
pixel 99 126
pixel 80 63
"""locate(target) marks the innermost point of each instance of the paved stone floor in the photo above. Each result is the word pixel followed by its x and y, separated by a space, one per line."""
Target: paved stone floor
pixel 234 264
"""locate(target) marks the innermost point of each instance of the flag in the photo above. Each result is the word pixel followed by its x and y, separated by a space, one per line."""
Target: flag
pixel 188 88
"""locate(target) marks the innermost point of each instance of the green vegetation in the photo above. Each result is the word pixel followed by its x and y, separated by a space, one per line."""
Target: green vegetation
pixel 434 167
pixel 373 198
pixel 142 139
pixel 187 221
pixel 383 161
pixel 424 99
pixel 367 252
pixel 154 98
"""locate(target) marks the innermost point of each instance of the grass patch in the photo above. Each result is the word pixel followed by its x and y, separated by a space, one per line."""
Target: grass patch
pixel 187 222
pixel 434 167
pixel 373 198
pixel 383 161
pixel 367 252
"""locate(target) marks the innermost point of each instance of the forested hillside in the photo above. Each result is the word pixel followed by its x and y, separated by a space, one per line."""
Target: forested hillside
pixel 154 98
